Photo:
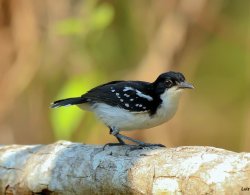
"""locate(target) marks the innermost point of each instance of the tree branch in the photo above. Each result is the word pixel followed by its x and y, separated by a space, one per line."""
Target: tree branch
pixel 73 168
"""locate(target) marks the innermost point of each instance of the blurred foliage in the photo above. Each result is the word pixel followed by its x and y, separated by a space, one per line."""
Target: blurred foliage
pixel 99 18
pixel 106 34
pixel 222 81
pixel 65 121
pixel 95 37
pixel 52 51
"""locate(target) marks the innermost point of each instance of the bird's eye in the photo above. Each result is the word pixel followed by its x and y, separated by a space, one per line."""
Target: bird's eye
pixel 169 83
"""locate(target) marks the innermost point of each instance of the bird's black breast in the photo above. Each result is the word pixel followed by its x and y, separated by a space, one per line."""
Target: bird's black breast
pixel 134 96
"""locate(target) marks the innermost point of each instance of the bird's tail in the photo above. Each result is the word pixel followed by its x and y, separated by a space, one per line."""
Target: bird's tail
pixel 68 102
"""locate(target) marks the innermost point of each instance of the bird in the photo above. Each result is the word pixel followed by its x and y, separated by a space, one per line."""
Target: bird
pixel 132 105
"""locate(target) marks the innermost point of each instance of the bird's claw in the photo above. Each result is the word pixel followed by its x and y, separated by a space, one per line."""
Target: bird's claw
pixel 134 147
pixel 113 144
pixel 144 145
pixel 152 145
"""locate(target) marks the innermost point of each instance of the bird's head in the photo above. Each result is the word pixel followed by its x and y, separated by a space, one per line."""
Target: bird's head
pixel 171 82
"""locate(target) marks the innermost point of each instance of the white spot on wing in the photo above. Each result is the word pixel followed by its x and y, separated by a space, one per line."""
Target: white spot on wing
pixel 140 94
pixel 131 99
pixel 118 95
pixel 121 100
pixel 128 89
pixel 113 90
pixel 127 105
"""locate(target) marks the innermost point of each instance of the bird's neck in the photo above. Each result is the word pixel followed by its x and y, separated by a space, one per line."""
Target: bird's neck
pixel 170 100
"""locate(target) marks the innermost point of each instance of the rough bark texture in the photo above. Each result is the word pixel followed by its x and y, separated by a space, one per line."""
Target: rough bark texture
pixel 74 168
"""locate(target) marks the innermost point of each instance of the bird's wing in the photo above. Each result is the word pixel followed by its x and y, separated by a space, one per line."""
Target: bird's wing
pixel 133 96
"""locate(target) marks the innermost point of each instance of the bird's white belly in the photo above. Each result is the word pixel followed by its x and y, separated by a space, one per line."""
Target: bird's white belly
pixel 122 119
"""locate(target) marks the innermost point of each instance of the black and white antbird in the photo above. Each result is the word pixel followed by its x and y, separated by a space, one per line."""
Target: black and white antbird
pixel 129 105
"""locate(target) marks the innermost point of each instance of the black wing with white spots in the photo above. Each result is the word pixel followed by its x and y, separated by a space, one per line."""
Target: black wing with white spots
pixel 134 96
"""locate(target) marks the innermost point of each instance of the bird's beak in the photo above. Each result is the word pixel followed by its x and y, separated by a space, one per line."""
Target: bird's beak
pixel 185 85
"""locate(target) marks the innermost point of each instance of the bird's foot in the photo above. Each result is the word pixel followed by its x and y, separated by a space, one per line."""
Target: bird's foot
pixel 134 147
pixel 113 144
pixel 151 145
pixel 121 138
pixel 145 145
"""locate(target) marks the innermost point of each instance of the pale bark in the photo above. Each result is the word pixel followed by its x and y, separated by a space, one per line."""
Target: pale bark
pixel 74 168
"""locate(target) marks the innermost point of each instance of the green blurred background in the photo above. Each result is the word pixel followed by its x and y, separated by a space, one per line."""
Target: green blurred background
pixel 51 50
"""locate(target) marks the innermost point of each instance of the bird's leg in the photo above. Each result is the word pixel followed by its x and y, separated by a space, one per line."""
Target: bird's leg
pixel 121 139
pixel 115 132
pixel 140 143
pixel 120 136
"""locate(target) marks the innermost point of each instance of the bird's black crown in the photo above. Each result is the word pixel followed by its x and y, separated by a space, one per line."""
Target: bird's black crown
pixel 174 77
